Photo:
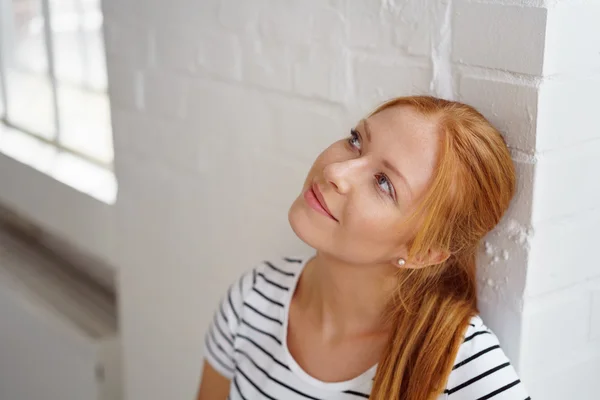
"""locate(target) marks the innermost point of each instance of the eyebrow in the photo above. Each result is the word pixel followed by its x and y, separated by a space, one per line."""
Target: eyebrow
pixel 367 129
pixel 389 166
pixel 386 163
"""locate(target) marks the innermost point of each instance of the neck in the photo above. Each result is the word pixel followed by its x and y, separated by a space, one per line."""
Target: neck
pixel 344 298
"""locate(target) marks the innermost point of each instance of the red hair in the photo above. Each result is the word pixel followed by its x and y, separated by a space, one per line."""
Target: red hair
pixel 472 187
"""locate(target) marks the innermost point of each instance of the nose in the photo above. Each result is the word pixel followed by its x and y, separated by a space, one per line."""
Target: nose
pixel 341 175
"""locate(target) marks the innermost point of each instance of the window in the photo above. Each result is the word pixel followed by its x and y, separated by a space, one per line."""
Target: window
pixel 53 85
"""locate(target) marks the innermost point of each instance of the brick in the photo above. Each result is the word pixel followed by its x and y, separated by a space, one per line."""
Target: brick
pixel 179 13
pixel 501 280
pixel 520 209
pixel 499 36
pixel 168 142
pixel 301 22
pixel 125 87
pixel 128 43
pixel 267 64
pixel 115 9
pixel 516 118
pixel 572 41
pixel 240 16
pixel 323 73
pixel 559 254
pixel 220 54
pixel 166 95
pixel 377 80
pixel 567 112
pixel 276 235
pixel 306 130
pixel 566 182
pixel 121 142
pixel 191 50
pixel 288 22
pixel 242 119
pixel 595 322
pixel 506 324
pixel 573 378
pixel 367 25
pixel 560 323
pixel 266 174
pixel 328 26
pixel 413 23
pixel 176 48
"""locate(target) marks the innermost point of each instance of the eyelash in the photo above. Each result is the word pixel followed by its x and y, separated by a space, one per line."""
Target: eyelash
pixel 354 135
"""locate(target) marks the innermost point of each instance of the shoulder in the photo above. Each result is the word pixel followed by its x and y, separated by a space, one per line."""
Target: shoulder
pixel 270 280
pixel 481 368
pixel 280 269
pixel 274 275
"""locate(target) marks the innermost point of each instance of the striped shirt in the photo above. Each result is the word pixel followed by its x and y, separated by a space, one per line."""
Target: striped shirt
pixel 246 343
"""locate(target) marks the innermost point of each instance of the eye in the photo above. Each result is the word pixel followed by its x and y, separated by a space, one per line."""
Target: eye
pixel 385 185
pixel 354 139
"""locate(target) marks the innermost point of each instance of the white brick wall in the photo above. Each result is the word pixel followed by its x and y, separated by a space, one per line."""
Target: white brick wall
pixel 560 306
pixel 219 107
pixel 572 39
pixel 516 118
pixel 499 36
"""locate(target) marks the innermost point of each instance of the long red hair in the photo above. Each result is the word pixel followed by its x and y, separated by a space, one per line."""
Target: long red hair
pixel 472 188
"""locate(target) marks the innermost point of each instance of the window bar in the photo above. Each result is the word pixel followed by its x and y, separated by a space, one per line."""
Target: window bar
pixel 75 152
pixel 3 91
pixel 82 39
pixel 49 42
pixel 3 80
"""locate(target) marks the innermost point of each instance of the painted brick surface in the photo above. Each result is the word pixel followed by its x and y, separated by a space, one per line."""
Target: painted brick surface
pixel 559 255
pixel 567 112
pixel 377 79
pixel 573 43
pixel 560 322
pixel 595 324
pixel 556 195
pixel 579 378
pixel 507 37
pixel 515 119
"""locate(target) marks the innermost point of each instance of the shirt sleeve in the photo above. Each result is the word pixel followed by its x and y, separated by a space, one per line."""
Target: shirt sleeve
pixel 483 371
pixel 219 339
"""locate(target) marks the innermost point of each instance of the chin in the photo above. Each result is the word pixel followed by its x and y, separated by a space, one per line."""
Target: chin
pixel 305 224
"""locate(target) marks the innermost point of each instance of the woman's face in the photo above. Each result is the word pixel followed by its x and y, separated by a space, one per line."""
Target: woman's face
pixel 360 190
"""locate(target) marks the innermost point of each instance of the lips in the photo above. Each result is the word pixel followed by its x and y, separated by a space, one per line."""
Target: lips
pixel 321 199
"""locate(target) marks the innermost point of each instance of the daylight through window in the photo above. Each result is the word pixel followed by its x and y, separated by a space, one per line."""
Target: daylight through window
pixel 53 75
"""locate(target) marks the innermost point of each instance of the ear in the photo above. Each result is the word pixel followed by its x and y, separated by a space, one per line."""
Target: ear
pixel 436 256
pixel 433 257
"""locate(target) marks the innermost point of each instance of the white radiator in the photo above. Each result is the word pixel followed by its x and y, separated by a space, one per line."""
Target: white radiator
pixel 58 330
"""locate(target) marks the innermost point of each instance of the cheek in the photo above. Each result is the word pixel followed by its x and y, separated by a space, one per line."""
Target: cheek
pixel 369 219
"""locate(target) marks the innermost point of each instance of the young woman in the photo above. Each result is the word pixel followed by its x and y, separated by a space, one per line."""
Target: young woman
pixel 386 308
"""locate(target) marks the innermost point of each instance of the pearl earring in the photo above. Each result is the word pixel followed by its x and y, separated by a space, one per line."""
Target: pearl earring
pixel 401 262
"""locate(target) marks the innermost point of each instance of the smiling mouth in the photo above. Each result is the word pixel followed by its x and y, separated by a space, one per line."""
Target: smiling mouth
pixel 315 200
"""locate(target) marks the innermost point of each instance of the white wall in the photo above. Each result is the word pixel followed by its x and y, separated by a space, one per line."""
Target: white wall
pixel 562 302
pixel 219 108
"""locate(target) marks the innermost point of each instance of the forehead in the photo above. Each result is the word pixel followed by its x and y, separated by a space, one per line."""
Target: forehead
pixel 408 140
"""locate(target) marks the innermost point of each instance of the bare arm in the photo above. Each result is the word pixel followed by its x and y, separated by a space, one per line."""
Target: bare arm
pixel 213 386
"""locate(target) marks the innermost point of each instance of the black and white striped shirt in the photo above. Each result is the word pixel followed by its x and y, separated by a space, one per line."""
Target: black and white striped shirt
pixel 246 343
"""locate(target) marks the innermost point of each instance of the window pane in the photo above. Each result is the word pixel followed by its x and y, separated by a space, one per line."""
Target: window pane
pixel 30 104
pixel 96 76
pixel 85 122
pixel 1 93
pixel 78 42
pixel 81 76
pixel 66 26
